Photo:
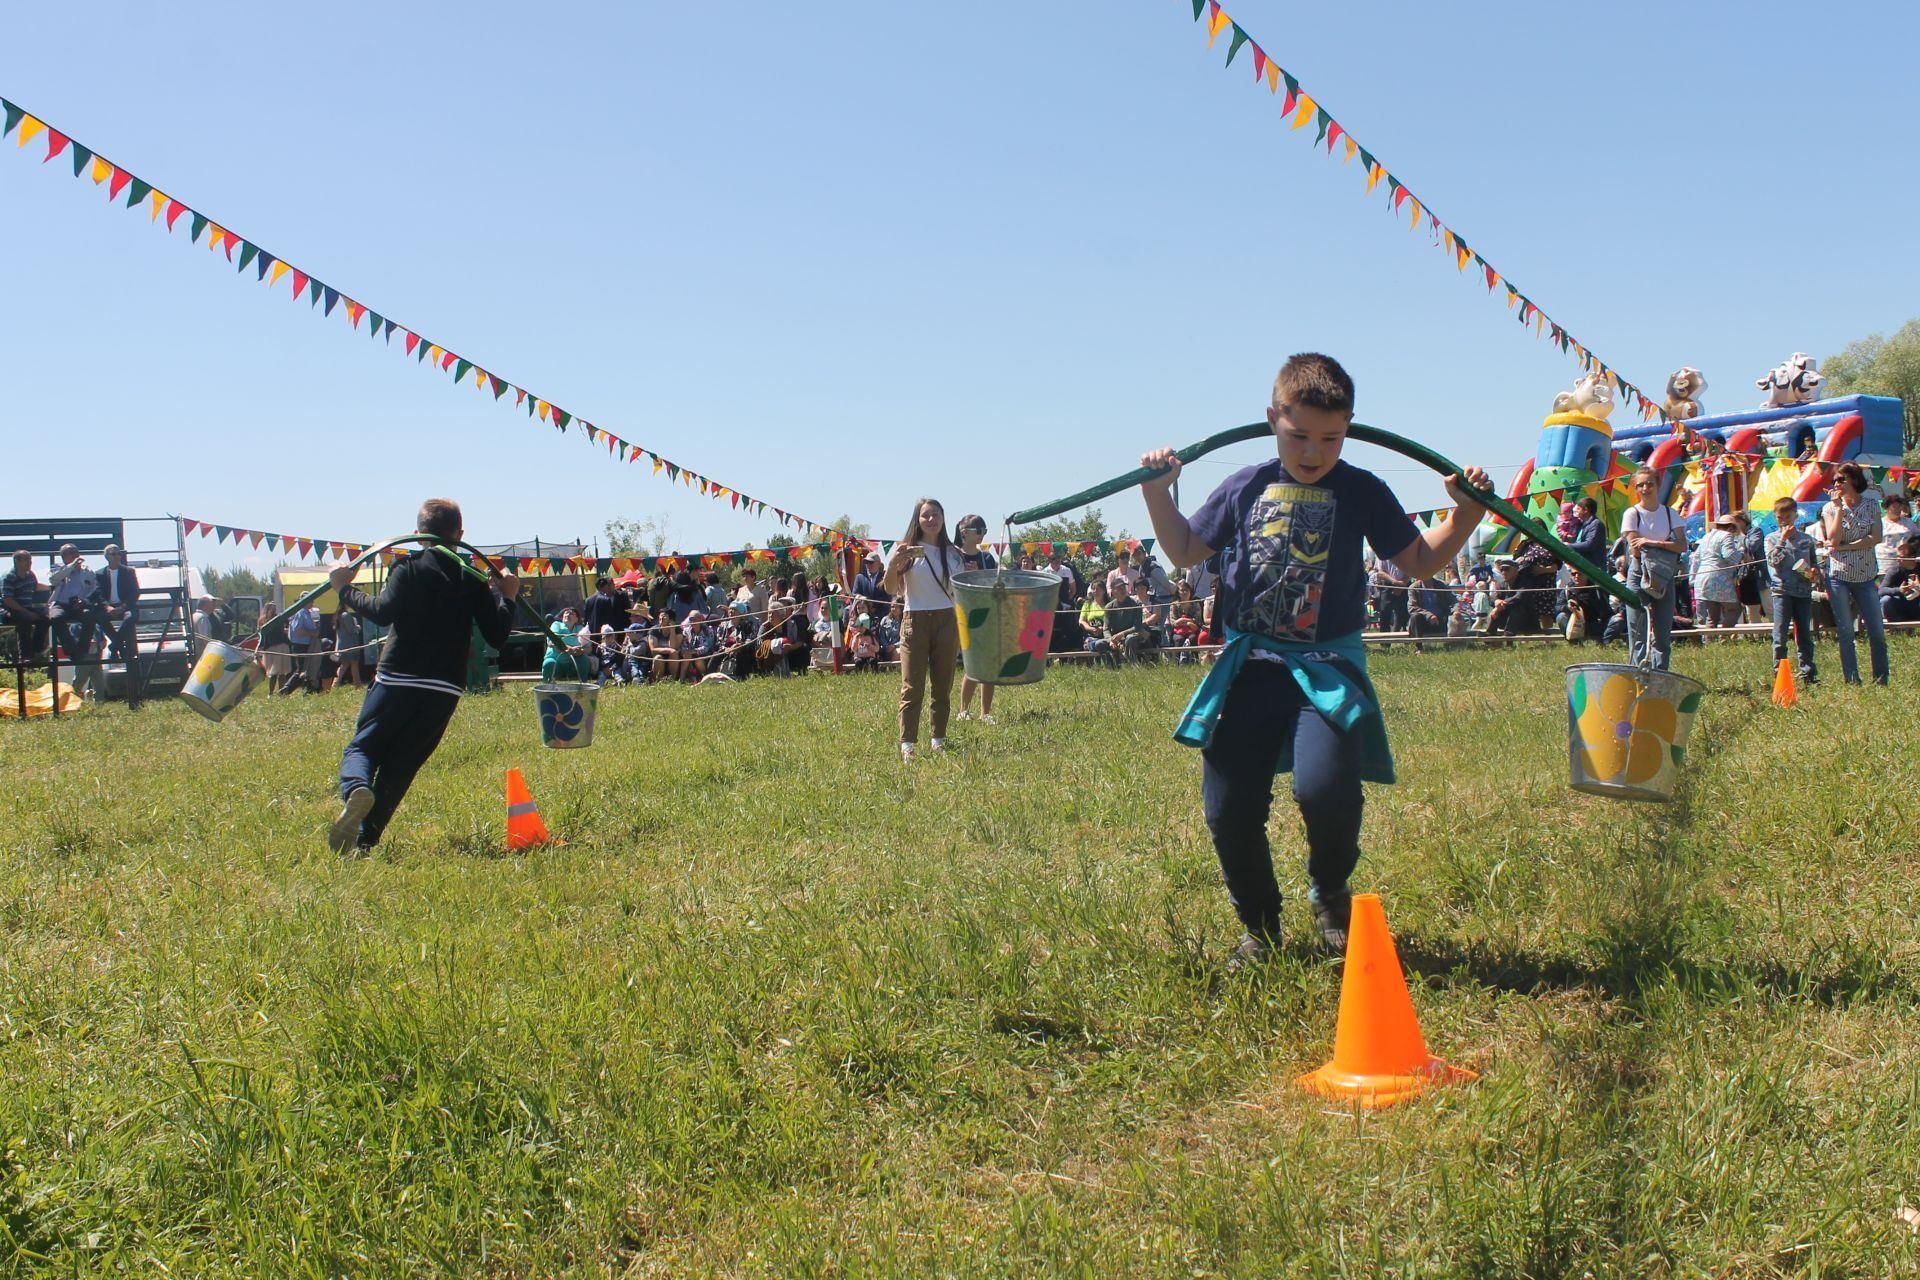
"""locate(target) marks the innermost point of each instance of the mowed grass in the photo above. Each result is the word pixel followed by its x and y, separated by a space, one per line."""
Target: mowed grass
pixel 782 1006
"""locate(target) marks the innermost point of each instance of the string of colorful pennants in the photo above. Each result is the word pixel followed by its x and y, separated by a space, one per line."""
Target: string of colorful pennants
pixel 340 549
pixel 1305 109
pixel 270 268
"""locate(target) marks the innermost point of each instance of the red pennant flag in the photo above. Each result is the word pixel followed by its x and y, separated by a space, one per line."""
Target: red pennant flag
pixel 306 547
pixel 1333 134
pixel 413 340
pixel 354 312
pixel 254 535
pixel 174 210
pixel 56 143
pixel 120 180
pixel 187 526
pixel 1259 63
pixel 299 282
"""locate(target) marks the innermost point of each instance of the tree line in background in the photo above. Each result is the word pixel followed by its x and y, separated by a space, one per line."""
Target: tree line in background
pixel 1883 366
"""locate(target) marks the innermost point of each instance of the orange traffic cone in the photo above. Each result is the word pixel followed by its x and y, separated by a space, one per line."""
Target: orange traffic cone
pixel 1379 1056
pixel 1785 692
pixel 524 828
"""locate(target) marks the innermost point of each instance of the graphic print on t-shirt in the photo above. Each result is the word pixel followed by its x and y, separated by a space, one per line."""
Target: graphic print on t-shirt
pixel 1289 542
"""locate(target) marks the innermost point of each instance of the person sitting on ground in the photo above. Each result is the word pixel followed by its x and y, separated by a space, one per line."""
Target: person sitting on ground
pixel 887 631
pixel 783 648
pixel 864 646
pixel 701 642
pixel 1093 619
pixel 609 655
pixel 1123 640
pixel 1793 570
pixel 1900 588
pixel 667 648
pixel 633 655
pixel 25 603
pixel 1153 621
pixel 570 665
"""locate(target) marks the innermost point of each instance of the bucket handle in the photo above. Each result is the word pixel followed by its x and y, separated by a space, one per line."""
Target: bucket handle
pixel 1367 435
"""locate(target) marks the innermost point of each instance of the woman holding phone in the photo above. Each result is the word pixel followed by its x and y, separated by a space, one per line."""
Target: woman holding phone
pixel 922 568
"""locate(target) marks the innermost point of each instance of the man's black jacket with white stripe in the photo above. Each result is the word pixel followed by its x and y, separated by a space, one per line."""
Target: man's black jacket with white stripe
pixel 430 606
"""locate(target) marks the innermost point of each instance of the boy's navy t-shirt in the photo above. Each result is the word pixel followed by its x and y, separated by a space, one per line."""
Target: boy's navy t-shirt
pixel 1290 562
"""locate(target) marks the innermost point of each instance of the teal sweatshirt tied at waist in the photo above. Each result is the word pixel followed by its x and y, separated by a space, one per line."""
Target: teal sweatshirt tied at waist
pixel 1332 675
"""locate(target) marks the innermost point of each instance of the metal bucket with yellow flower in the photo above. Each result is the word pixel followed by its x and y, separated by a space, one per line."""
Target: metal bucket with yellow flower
pixel 224 674
pixel 1628 729
pixel 1006 623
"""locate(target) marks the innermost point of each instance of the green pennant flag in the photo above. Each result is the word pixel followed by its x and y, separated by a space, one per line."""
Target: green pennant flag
pixel 1239 38
pixel 460 368
pixel 247 253
pixel 137 192
pixel 313 291
pixel 561 417
pixel 1199 7
pixel 499 386
pixel 199 225
pixel 80 157
pixel 16 114
pixel 1366 160
pixel 376 322
pixel 1320 114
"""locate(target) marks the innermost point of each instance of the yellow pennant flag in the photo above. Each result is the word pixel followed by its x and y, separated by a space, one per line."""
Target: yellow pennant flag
pixel 29 130
pixel 101 171
pixel 1374 175
pixel 217 233
pixel 1512 297
pixel 279 269
pixel 159 202
pixel 480 380
pixel 1352 147
pixel 540 408
pixel 1415 202
pixel 1446 237
pixel 1462 253
pixel 658 462
pixel 1216 24
pixel 433 357
pixel 1304 112
pixel 1273 76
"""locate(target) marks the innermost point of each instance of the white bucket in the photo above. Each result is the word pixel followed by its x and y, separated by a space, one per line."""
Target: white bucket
pixel 220 679
pixel 566 713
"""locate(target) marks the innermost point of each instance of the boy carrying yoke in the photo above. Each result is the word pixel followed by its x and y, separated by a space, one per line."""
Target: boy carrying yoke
pixel 431 605
pixel 1290 691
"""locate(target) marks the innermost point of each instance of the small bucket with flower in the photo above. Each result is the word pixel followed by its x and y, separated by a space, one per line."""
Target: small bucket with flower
pixel 223 675
pixel 1627 729
pixel 1006 623
pixel 566 713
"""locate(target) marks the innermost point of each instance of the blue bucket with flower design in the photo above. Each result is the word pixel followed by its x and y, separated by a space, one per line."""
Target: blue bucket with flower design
pixel 566 713
pixel 1627 729
pixel 1006 623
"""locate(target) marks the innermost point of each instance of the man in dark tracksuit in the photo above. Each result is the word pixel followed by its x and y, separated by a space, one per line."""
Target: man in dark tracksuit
pixel 430 606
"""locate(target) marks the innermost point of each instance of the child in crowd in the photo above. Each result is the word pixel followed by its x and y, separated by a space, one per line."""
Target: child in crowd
pixel 430 607
pixel 865 649
pixel 1794 572
pixel 1290 690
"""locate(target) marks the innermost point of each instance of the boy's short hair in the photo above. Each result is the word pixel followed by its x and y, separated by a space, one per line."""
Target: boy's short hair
pixel 439 517
pixel 1786 502
pixel 1313 380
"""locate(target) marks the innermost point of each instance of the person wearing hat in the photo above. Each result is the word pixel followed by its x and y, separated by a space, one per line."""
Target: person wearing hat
pixel 1716 573
pixel 870 594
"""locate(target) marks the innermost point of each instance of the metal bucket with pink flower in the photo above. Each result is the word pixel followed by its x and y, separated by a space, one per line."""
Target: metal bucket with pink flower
pixel 1627 729
pixel 1006 623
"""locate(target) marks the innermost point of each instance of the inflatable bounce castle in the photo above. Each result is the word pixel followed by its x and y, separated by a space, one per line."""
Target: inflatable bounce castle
pixel 1707 464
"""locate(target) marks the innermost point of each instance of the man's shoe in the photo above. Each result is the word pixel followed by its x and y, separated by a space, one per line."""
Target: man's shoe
pixel 906 751
pixel 1253 949
pixel 1332 913
pixel 985 718
pixel 937 745
pixel 964 714
pixel 344 834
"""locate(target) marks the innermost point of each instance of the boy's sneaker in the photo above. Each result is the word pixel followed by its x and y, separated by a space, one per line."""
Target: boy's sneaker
pixel 985 718
pixel 937 745
pixel 906 751
pixel 345 831
pixel 1332 913
pixel 964 715
pixel 1253 949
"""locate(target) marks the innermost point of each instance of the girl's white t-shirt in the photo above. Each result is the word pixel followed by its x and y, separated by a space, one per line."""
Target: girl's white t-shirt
pixel 922 587
pixel 1659 524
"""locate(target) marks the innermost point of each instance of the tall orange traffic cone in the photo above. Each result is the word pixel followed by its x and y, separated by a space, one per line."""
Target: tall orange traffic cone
pixel 1785 692
pixel 1379 1056
pixel 524 828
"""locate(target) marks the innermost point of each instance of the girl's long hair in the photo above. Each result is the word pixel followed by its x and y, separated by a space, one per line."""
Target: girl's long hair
pixel 912 538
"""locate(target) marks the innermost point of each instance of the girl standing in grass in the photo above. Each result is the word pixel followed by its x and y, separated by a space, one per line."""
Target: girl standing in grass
pixel 922 570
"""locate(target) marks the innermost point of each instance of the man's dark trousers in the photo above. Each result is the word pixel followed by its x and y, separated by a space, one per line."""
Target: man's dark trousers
pixel 398 730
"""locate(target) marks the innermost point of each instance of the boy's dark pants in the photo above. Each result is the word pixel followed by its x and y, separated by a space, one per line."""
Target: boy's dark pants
pixel 1795 613
pixel 1265 709
pixel 399 728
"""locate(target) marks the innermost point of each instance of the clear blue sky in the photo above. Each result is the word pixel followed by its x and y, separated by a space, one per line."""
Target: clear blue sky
pixel 840 256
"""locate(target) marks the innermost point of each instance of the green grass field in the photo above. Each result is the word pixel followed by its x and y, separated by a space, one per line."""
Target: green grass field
pixel 782 1006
